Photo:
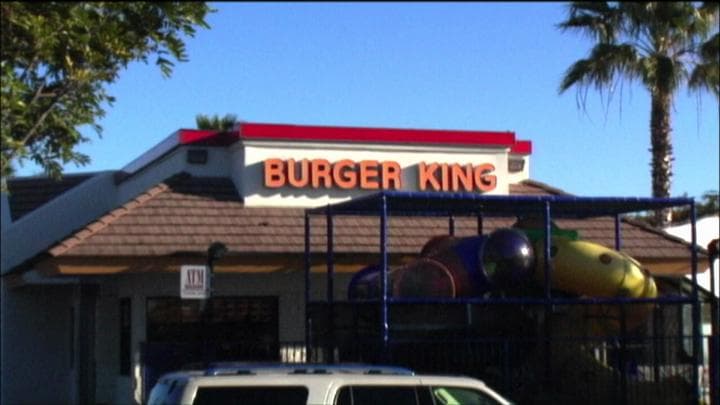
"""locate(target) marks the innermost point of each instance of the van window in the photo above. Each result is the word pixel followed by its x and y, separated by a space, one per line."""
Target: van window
pixel 377 395
pixel 167 392
pixel 461 396
pixel 290 395
pixel 158 395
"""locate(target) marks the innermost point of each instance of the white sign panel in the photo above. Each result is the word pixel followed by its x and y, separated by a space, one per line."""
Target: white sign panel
pixel 194 282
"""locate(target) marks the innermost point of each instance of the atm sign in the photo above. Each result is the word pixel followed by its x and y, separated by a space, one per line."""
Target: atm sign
pixel 194 282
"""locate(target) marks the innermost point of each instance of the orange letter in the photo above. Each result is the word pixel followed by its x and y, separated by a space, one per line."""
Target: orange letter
pixel 483 180
pixel 345 178
pixel 462 175
pixel 292 177
pixel 321 172
pixel 445 177
pixel 369 175
pixel 274 177
pixel 391 174
pixel 426 174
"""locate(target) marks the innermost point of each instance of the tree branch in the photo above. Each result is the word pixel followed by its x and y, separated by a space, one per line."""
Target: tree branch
pixel 38 122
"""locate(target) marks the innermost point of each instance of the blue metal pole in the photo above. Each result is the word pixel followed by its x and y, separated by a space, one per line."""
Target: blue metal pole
pixel 697 336
pixel 479 223
pixel 622 358
pixel 385 327
pixel 548 299
pixel 618 238
pixel 622 366
pixel 308 322
pixel 714 343
pixel 548 249
pixel 330 257
pixel 330 282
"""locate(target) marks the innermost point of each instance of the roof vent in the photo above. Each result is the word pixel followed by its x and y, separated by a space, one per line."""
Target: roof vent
pixel 516 165
pixel 197 156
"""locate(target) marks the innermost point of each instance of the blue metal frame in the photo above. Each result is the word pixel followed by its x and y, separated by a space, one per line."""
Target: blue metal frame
pixel 402 203
pixel 384 279
pixel 715 335
pixel 443 204
pixel 308 326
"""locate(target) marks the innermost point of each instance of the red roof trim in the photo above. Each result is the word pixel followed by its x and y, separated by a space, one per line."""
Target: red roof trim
pixel 522 148
pixel 207 137
pixel 195 135
pixel 354 134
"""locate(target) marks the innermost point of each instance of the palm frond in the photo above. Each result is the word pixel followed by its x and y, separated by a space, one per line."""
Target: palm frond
pixel 706 74
pixel 595 19
pixel 710 49
pixel 601 69
pixel 709 8
pixel 216 122
pixel 661 73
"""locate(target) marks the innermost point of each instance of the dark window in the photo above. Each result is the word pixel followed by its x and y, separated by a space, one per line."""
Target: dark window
pixel 159 393
pixel 251 395
pixel 344 396
pixel 125 328
pixel 376 395
pixel 461 395
pixel 167 392
pixel 234 327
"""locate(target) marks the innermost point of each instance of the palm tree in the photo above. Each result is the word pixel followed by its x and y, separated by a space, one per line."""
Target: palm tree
pixel 225 123
pixel 664 46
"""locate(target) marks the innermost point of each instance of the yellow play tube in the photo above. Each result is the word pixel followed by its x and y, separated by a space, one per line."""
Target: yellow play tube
pixel 589 269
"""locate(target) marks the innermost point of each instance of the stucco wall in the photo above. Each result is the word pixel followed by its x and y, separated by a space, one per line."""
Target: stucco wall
pixel 5 217
pixel 107 343
pixel 36 365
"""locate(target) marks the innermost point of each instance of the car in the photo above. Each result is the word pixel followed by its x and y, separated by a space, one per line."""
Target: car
pixel 318 384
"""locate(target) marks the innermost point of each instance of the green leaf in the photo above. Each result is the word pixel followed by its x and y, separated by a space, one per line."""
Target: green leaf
pixel 58 58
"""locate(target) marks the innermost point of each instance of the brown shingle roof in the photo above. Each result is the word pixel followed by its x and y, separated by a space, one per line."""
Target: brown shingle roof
pixel 182 214
pixel 29 193
pixel 185 214
pixel 532 187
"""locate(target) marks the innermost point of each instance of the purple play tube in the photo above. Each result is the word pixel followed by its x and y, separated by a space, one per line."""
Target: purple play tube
pixel 454 267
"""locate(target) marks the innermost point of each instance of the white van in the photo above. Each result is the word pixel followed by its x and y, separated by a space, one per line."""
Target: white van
pixel 305 384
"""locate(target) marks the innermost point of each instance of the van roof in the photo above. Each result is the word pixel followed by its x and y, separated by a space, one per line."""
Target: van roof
pixel 240 368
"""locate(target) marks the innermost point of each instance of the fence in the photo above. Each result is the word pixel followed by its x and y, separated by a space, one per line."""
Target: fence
pixel 648 370
pixel 596 353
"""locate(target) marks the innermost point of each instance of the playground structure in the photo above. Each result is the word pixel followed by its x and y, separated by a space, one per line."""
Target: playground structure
pixel 588 324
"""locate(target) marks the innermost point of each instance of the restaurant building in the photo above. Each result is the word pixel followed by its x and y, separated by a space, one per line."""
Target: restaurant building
pixel 91 264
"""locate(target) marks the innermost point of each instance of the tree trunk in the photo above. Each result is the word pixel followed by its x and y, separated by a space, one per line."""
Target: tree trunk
pixel 661 150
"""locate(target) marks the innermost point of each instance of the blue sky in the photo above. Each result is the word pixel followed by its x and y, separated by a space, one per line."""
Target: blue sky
pixel 464 66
